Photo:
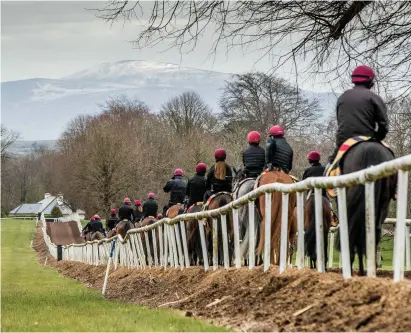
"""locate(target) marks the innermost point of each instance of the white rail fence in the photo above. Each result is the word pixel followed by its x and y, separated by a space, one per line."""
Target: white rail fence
pixel 169 248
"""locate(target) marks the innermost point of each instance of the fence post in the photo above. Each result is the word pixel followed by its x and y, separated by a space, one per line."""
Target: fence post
pixel 59 252
pixel 225 241
pixel 319 229
pixel 236 239
pixel 215 244
pixel 110 259
pixel 203 244
pixel 284 232
pixel 300 228
pixel 344 240
pixel 370 227
pixel 331 250
pixel 407 249
pixel 399 239
pixel 267 232
pixel 251 228
pixel 184 238
pixel 180 251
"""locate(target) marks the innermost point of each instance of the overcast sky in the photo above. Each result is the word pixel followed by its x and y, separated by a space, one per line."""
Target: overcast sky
pixel 55 39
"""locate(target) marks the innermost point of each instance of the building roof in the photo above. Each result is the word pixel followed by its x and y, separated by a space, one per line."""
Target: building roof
pixel 26 209
pixel 43 206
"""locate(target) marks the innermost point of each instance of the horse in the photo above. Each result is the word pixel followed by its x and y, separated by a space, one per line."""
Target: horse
pixel 270 177
pixel 359 157
pixel 309 227
pixel 123 226
pixel 218 200
pixel 195 252
pixel 111 233
pixel 171 213
pixel 243 186
pixel 146 222
pixel 91 236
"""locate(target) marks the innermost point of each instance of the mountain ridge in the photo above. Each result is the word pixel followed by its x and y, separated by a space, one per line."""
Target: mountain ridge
pixel 40 108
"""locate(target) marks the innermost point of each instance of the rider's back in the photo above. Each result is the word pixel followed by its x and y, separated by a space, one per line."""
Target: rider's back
pixel 358 112
pixel 215 183
pixel 125 212
pixel 196 188
pixel 254 160
pixel 177 189
pixel 315 170
pixel 279 154
pixel 150 208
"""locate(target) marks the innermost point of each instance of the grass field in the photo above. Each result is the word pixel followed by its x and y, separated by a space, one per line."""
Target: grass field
pixel 36 298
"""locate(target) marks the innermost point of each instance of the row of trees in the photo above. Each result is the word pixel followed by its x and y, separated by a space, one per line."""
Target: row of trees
pixel 128 150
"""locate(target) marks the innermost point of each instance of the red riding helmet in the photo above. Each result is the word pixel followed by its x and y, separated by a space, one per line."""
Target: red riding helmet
pixel 254 137
pixel 276 131
pixel 220 154
pixel 151 195
pixel 201 167
pixel 137 203
pixel 314 156
pixel 362 74
pixel 96 217
pixel 113 211
pixel 126 200
pixel 92 219
pixel 159 216
pixel 178 172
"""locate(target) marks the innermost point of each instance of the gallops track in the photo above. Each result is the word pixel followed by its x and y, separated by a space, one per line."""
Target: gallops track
pixel 64 233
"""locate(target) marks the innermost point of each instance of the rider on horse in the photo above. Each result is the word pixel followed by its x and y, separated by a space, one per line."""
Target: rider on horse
pixel 316 169
pixel 220 176
pixel 359 110
pixel 176 186
pixel 150 206
pixel 126 212
pixel 253 156
pixel 278 153
pixel 138 211
pixel 112 221
pixel 94 225
pixel 196 186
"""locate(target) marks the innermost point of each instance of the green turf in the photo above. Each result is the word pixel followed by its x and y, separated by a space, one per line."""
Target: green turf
pixel 36 298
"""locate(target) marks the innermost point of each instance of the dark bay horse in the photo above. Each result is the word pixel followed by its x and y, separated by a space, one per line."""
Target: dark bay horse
pixel 218 200
pixel 91 236
pixel 309 227
pixel 146 222
pixel 359 157
pixel 195 252
pixel 123 226
pixel 276 207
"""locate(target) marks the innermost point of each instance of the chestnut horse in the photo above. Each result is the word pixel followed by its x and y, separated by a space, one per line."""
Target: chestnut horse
pixel 123 226
pixel 195 252
pixel 276 207
pixel 218 200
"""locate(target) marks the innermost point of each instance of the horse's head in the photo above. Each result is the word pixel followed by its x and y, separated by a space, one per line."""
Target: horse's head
pixel 238 176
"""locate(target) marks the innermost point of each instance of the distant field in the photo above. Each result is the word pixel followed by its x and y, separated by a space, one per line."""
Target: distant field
pixel 37 298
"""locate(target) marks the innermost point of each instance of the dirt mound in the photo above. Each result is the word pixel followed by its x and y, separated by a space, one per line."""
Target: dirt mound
pixel 64 233
pixel 260 301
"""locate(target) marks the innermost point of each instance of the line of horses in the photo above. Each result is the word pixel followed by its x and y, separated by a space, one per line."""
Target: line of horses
pixel 359 157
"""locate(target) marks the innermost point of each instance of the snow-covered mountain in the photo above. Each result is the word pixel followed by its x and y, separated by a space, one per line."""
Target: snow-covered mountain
pixel 40 108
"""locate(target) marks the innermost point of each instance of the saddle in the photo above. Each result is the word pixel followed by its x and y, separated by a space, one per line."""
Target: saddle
pixel 334 169
pixel 214 195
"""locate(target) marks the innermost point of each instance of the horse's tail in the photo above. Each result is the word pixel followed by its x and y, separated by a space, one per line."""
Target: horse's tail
pixel 309 235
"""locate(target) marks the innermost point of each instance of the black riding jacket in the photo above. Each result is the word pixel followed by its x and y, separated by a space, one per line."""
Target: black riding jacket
pixel 137 214
pixel 177 188
pixel 279 154
pixel 112 222
pixel 126 212
pixel 359 110
pixel 94 226
pixel 315 170
pixel 196 188
pixel 219 185
pixel 150 208
pixel 254 160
